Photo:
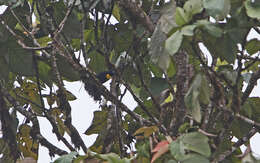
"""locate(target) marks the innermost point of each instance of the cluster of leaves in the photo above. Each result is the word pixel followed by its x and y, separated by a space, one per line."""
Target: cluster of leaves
pixel 191 102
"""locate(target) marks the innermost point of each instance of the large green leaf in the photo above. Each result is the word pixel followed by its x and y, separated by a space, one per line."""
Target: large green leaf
pixel 182 17
pixel 252 9
pixel 228 47
pixel 20 61
pixel 192 97
pixel 217 8
pixel 158 85
pixel 196 142
pixel 157 44
pixel 173 43
pixel 193 7
pixel 66 69
pixel 177 150
pixel 211 28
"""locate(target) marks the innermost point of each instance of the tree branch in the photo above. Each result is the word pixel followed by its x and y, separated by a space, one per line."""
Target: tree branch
pixel 252 82
pixel 137 14
pixel 240 142
pixel 36 130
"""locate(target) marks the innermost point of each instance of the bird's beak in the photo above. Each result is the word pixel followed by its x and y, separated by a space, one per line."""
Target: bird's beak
pixel 108 76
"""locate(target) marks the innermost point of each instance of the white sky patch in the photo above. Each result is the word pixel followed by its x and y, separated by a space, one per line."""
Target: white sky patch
pixel 2 9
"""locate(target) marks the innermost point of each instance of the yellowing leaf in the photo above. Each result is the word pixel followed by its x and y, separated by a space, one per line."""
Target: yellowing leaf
pixel 147 131
pixel 116 12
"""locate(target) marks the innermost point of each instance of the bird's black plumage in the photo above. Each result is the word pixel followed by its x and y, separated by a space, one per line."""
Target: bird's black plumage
pixel 92 88
pixel 103 76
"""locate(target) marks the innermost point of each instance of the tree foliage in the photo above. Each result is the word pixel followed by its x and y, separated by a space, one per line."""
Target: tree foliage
pixel 189 65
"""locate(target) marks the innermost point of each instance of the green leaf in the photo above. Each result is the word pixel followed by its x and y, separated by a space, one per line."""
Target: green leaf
pixel 21 62
pixel 252 46
pixel 171 71
pixel 195 112
pixel 252 9
pixel 165 24
pixel 146 131
pixel 182 17
pixel 193 7
pixel 177 150
pixel 116 12
pixel 68 158
pixel 192 98
pixel 173 43
pixel 172 161
pixel 98 123
pixel 158 85
pixel 4 70
pixel 45 72
pixel 80 159
pixel 228 48
pixel 66 70
pixel 210 28
pixel 251 108
pixel 43 41
pixel 195 158
pixel 205 91
pixel 217 8
pixel 240 128
pixel 188 30
pixel 196 142
pixel 112 158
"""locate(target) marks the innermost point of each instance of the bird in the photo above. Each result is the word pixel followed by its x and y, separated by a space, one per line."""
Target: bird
pixel 105 76
pixel 91 87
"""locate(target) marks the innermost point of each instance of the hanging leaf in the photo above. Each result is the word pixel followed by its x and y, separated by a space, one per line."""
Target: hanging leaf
pixel 218 9
pixel 164 25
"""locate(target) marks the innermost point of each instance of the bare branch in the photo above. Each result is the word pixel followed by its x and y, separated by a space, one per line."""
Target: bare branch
pixel 36 130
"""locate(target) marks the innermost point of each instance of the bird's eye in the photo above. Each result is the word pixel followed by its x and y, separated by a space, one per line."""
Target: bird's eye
pixel 108 76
